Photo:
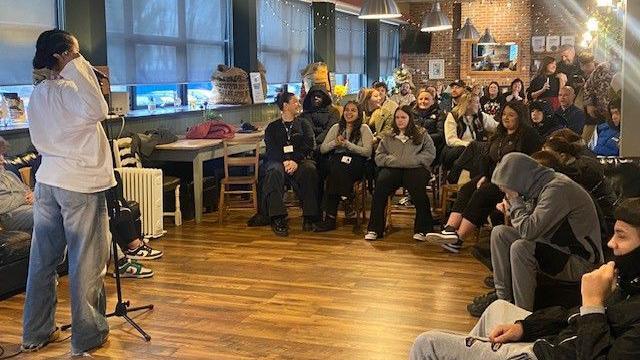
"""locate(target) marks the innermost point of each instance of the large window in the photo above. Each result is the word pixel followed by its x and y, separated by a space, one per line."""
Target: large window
pixel 160 43
pixel 389 49
pixel 349 44
pixel 21 22
pixel 284 39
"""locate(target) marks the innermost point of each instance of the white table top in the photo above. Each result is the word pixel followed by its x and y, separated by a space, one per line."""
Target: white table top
pixel 195 144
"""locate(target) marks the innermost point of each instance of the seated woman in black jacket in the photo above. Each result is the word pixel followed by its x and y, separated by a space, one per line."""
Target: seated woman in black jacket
pixel 543 119
pixel 346 147
pixel 478 198
pixel 428 115
pixel 403 157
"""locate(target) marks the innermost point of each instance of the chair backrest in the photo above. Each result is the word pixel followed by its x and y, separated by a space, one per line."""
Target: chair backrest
pixel 241 147
pixel 123 156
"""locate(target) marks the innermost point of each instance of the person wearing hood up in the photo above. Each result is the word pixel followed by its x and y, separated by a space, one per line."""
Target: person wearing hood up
pixel 555 230
pixel 317 109
pixel 605 326
pixel 543 120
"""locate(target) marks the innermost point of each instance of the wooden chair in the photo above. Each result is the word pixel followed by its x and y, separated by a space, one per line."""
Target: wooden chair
pixel 25 175
pixel 360 204
pixel 251 181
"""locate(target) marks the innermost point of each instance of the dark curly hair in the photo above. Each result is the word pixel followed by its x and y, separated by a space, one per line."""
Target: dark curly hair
pixel 51 42
pixel 524 118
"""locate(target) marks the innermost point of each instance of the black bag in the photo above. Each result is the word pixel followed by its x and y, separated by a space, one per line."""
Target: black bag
pixel 187 200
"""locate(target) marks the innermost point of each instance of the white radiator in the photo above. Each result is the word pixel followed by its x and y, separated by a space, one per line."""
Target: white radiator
pixel 145 187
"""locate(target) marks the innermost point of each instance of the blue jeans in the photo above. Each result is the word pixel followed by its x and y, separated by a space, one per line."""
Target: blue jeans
pixel 80 222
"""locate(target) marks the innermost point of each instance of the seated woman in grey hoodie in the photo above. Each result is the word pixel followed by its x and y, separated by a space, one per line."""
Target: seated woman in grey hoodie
pixel 403 158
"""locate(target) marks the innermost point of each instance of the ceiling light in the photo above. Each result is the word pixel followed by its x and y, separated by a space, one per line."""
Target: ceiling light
pixel 436 20
pixel 379 9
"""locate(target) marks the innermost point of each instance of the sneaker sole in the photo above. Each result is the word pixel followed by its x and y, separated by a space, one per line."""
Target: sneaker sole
pixel 450 248
pixel 135 257
pixel 419 237
pixel 132 276
pixel 440 239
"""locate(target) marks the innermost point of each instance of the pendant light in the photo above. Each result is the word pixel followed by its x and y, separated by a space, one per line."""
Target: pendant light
pixel 468 31
pixel 436 20
pixel 487 38
pixel 379 9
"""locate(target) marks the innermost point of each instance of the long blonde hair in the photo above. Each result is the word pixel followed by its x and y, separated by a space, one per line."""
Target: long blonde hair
pixel 363 99
pixel 461 107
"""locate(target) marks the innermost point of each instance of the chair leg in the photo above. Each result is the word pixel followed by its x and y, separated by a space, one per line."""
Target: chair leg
pixel 178 213
pixel 254 189
pixel 221 204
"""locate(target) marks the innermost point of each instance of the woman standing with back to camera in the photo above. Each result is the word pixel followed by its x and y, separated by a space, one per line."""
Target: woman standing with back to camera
pixel 70 209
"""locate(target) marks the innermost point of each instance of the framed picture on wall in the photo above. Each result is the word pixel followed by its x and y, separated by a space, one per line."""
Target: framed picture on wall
pixel 537 44
pixel 568 40
pixel 553 43
pixel 436 69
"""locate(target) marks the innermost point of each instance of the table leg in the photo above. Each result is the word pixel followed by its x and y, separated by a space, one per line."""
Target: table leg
pixel 197 187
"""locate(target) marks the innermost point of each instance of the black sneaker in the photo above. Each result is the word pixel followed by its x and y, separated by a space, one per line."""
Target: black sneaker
pixel 279 226
pixel 258 220
pixel 455 247
pixel 481 303
pixel 328 224
pixel 488 282
pixel 482 255
pixel 448 235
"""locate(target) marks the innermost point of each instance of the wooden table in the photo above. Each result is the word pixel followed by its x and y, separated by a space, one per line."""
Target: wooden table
pixel 197 151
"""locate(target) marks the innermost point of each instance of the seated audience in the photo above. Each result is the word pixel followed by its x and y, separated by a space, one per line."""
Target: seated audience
pixel 477 199
pixel 427 114
pixel 555 230
pixel 569 114
pixel 289 143
pixel 385 102
pixel 575 139
pixel 605 326
pixel 464 124
pixel 516 92
pixel 547 83
pixel 379 119
pixel 405 96
pixel 319 111
pixel 542 119
pixel 347 146
pixel 492 102
pixel 450 101
pixel 403 158
pixel 608 140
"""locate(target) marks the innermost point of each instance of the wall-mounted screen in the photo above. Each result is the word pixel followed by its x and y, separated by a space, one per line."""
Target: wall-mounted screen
pixel 494 57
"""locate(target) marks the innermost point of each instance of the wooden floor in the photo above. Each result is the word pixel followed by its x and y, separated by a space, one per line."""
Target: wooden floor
pixel 231 292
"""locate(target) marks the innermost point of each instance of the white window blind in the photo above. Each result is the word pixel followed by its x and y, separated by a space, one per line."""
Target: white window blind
pixel 284 39
pixel 165 41
pixel 389 49
pixel 21 22
pixel 349 44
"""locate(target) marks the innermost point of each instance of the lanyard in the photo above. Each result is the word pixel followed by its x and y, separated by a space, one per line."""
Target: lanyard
pixel 287 130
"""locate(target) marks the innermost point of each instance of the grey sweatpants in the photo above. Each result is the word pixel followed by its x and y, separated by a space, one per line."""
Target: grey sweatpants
pixel 515 267
pixel 441 345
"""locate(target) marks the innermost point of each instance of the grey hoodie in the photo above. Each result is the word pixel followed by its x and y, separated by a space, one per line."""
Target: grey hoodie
pixel 547 199
pixel 394 153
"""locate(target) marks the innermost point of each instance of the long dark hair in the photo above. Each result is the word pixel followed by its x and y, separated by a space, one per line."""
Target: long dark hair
pixel 51 42
pixel 545 62
pixel 521 93
pixel 488 86
pixel 412 131
pixel 355 135
pixel 524 118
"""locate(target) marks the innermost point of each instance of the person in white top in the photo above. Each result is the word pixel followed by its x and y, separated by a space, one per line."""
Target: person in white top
pixel 70 210
pixel 464 124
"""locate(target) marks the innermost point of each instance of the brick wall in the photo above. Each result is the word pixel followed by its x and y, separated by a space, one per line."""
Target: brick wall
pixel 508 20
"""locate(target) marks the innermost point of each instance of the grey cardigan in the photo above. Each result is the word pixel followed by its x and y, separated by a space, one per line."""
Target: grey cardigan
pixel 394 153
pixel 363 147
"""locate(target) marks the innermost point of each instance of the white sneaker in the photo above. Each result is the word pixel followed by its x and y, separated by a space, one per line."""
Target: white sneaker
pixel 371 235
pixel 420 236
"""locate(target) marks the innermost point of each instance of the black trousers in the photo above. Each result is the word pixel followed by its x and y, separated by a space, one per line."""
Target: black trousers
pixel 128 225
pixel 476 204
pixel 340 179
pixel 304 182
pixel 413 180
pixel 450 154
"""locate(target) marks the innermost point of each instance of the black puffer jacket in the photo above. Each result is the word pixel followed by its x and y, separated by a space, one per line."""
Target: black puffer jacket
pixel 322 117
pixel 562 334
pixel 432 119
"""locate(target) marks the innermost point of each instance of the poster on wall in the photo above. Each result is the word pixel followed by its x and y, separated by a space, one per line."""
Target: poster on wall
pixel 568 40
pixel 436 69
pixel 537 44
pixel 535 65
pixel 553 43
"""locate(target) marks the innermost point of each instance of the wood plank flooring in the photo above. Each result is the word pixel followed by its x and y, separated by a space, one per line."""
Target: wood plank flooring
pixel 231 292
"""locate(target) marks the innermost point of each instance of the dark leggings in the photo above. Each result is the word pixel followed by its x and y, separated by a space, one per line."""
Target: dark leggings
pixel 340 179
pixel 476 204
pixel 128 226
pixel 413 180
